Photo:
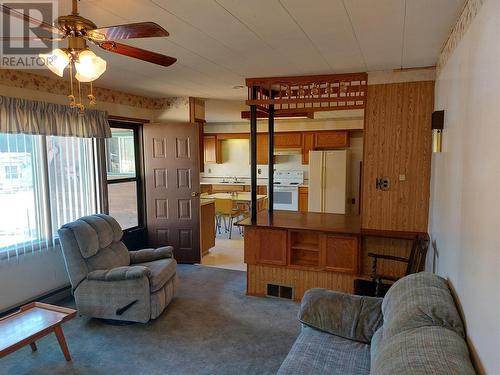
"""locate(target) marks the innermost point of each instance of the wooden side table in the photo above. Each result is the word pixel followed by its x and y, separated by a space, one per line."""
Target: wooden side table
pixel 32 322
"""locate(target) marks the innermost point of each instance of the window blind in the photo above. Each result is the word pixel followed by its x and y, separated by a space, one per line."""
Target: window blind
pixel 45 181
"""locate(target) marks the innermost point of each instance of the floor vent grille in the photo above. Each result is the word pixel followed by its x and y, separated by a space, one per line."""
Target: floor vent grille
pixel 280 291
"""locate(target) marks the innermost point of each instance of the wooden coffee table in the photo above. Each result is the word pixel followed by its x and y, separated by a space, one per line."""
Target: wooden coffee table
pixel 32 322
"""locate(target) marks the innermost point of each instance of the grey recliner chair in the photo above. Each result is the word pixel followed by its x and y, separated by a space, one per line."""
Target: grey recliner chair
pixel 110 282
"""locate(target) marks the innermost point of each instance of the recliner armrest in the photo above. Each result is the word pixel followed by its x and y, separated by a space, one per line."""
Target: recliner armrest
pixel 346 315
pixel 149 255
pixel 120 273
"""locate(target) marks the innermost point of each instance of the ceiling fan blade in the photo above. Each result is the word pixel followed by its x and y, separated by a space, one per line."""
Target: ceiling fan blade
pixel 32 21
pixel 18 38
pixel 128 31
pixel 141 54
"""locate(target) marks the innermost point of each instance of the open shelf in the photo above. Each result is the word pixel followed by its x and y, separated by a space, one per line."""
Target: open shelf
pixel 304 248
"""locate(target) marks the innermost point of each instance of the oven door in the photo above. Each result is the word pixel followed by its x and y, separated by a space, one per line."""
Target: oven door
pixel 286 198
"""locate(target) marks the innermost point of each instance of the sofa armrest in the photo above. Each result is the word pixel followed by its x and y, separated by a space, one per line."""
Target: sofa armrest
pixel 346 315
pixel 120 273
pixel 149 255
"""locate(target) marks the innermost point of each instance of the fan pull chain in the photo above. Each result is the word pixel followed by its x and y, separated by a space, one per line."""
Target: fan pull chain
pixel 71 96
pixel 92 100
pixel 80 104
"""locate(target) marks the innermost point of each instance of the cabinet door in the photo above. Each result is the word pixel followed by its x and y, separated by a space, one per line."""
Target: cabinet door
pixel 287 140
pixel 307 145
pixel 341 253
pixel 205 188
pixel 265 246
pixel 331 139
pixel 227 188
pixel 262 145
pixel 212 149
pixel 303 198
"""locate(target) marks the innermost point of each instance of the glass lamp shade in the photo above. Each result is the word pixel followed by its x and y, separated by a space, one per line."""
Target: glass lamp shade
pixel 89 67
pixel 56 61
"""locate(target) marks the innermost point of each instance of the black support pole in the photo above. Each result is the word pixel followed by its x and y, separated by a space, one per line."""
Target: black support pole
pixel 253 156
pixel 270 160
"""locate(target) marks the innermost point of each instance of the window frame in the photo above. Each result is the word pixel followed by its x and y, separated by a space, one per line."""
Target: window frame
pixel 139 171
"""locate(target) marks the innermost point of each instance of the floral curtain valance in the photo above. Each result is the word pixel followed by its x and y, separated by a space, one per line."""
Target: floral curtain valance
pixel 34 117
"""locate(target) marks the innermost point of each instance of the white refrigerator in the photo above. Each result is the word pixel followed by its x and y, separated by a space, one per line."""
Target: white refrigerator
pixel 328 181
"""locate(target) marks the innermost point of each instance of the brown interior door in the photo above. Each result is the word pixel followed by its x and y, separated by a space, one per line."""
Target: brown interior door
pixel 172 176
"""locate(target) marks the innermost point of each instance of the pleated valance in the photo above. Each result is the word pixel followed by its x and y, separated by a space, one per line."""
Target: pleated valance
pixel 35 117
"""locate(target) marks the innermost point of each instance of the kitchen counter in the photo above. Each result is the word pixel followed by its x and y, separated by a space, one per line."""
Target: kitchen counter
pixel 260 182
pixel 331 223
pixel 205 201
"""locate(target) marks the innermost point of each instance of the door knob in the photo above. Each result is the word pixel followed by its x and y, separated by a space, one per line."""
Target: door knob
pixel 195 194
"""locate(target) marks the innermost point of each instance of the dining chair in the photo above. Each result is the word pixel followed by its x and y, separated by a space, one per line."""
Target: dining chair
pixel 224 209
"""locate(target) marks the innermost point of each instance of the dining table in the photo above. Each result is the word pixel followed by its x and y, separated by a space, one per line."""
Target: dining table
pixel 241 198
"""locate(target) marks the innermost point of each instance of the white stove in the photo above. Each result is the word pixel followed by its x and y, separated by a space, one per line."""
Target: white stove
pixel 286 189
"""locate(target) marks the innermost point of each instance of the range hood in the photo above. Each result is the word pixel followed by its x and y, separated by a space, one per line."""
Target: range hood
pixel 287 151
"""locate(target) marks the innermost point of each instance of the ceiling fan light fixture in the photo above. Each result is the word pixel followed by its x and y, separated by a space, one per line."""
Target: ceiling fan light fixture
pixel 89 66
pixel 56 61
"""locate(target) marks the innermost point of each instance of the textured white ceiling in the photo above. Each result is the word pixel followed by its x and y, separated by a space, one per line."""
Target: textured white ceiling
pixel 218 43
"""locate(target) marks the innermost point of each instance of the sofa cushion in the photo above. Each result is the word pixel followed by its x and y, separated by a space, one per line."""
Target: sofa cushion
pixel 316 352
pixel 427 350
pixel 162 270
pixel 421 299
pixel 345 315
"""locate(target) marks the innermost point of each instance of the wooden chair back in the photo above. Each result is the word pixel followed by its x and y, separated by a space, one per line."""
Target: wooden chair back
pixel 418 254
pixel 223 206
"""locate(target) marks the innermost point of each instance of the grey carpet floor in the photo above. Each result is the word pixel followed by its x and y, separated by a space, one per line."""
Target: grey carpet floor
pixel 211 327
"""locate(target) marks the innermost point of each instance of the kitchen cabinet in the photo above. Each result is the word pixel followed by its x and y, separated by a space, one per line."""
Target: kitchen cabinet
pixel 262 148
pixel 341 253
pixel 205 188
pixel 303 198
pixel 331 139
pixel 288 140
pixel 212 150
pixel 307 145
pixel 261 189
pixel 226 188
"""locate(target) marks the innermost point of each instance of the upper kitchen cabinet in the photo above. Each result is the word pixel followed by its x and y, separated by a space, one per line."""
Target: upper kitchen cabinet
pixel 288 140
pixel 331 139
pixel 212 150
pixel 262 146
pixel 307 145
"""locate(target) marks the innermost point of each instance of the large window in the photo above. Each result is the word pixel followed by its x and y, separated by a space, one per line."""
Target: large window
pixel 123 175
pixel 45 182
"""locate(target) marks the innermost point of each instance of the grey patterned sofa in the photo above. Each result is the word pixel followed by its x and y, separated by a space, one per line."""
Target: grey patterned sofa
pixel 110 282
pixel 415 329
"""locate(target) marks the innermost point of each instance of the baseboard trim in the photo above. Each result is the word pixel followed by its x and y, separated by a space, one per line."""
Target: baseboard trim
pixel 50 297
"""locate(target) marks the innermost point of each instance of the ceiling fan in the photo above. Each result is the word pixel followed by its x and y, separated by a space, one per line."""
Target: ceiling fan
pixel 78 30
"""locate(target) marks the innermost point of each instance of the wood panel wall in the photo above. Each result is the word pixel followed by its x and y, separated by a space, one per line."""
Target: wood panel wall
pixel 397 141
pixel 301 280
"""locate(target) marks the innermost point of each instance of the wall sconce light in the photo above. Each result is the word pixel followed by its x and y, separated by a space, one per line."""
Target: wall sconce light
pixel 437 130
